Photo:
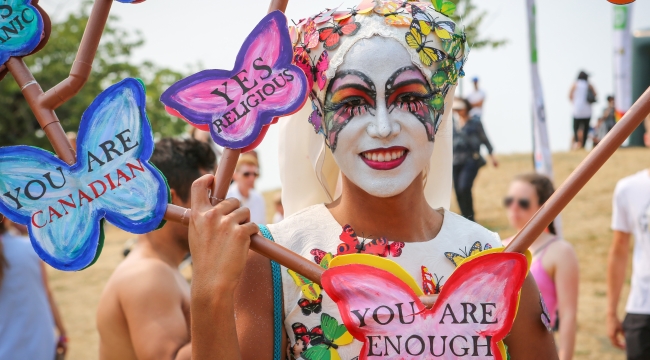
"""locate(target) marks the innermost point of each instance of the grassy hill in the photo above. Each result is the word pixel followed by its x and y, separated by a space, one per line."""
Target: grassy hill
pixel 585 224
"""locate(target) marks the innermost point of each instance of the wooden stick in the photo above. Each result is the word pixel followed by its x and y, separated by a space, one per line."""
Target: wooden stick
pixel 83 62
pixel 44 104
pixel 579 177
pixel 46 118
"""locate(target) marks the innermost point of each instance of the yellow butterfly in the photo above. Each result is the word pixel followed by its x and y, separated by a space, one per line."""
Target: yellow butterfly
pixel 417 40
pixel 310 289
pixel 475 249
pixel 394 13
pixel 444 29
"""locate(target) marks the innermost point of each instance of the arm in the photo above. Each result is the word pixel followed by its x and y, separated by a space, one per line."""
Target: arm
pixel 153 310
pixel 616 264
pixel 254 310
pixel 219 239
pixel 529 338
pixel 62 343
pixel 485 141
pixel 573 87
pixel 566 283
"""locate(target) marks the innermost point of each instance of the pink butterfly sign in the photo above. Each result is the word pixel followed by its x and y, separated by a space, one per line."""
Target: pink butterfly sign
pixel 238 105
pixel 474 311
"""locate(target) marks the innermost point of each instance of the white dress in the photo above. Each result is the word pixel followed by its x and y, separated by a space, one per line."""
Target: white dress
pixel 314 231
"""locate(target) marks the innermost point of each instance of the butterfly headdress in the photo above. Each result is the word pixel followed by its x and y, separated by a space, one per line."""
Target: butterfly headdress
pixel 424 28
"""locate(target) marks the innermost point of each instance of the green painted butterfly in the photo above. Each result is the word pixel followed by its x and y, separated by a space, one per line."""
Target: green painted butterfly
pixel 334 335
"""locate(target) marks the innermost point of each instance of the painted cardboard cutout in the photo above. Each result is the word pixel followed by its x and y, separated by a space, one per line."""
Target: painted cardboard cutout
pixel 237 105
pixel 474 311
pixel 64 206
pixel 21 28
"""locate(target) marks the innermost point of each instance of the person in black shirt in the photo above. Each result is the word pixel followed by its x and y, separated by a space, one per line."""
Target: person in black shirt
pixel 468 138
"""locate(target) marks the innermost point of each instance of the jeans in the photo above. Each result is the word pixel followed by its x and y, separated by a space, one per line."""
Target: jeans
pixel 637 336
pixel 464 175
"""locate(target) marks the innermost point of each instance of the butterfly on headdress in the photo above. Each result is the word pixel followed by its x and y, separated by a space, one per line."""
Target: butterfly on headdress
pixel 331 35
pixel 324 16
pixel 417 40
pixel 310 289
pixel 476 248
pixel 311 306
pixel 365 7
pixel 324 346
pixel 315 72
pixel 316 117
pixel 64 206
pixel 445 7
pixel 396 12
pixel 380 247
pixel 444 29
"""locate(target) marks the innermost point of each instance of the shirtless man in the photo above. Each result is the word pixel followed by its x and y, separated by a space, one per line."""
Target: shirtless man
pixel 144 311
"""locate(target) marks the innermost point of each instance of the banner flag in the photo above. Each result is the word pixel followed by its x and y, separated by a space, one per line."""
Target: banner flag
pixel 541 148
pixel 622 41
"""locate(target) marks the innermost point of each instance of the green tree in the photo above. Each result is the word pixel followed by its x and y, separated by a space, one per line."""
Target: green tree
pixel 18 126
pixel 471 19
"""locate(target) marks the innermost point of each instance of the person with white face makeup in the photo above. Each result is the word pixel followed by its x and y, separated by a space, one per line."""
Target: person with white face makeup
pixel 380 183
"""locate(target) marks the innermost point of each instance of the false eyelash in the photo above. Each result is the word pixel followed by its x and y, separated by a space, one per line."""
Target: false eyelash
pixel 350 110
pixel 413 105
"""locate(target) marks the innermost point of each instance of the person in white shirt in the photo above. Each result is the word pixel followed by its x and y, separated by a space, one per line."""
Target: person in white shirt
pixel 631 215
pixel 582 96
pixel 476 99
pixel 242 188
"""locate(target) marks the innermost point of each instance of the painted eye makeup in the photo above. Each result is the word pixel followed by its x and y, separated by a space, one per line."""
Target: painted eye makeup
pixel 351 93
pixel 354 96
pixel 407 90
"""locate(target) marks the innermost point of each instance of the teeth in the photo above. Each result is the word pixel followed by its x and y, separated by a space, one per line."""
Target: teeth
pixel 383 156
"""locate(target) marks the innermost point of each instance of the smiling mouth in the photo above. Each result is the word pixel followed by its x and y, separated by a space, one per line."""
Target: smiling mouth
pixel 384 159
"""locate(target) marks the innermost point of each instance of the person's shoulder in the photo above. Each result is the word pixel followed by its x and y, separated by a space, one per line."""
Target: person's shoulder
pixel 143 276
pixel 633 181
pixel 562 251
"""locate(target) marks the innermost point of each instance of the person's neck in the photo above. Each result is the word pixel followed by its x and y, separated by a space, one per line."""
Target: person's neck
pixel 405 217
pixel 244 191
pixel 162 245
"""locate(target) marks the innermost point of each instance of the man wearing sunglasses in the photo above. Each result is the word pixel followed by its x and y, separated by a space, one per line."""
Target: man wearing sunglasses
pixel 243 188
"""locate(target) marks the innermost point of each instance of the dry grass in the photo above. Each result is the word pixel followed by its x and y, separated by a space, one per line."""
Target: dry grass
pixel 586 225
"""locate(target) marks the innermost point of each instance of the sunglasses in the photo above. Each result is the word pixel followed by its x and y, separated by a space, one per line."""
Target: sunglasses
pixel 523 203
pixel 249 173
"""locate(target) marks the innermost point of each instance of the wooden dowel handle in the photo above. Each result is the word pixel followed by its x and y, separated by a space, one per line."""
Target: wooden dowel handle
pixel 278 5
pixel 46 118
pixel 579 177
pixel 224 174
pixel 82 65
pixel 262 246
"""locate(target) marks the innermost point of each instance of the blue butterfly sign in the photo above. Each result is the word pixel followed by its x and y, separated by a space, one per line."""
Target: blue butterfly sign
pixel 64 206
pixel 21 28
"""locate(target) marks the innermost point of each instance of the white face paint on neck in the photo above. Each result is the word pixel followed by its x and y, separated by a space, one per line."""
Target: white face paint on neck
pixel 384 146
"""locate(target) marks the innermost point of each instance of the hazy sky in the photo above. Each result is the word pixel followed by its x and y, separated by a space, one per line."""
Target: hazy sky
pixel 572 35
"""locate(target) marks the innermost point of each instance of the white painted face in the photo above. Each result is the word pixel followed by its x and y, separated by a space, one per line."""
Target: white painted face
pixel 379 94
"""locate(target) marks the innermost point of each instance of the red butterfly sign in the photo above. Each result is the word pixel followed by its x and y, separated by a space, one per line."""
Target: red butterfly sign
pixel 474 311
pixel 380 247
